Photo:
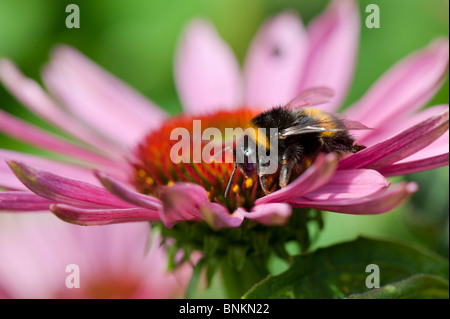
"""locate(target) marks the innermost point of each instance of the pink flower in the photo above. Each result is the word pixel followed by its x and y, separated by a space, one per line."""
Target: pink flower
pixel 44 258
pixel 124 138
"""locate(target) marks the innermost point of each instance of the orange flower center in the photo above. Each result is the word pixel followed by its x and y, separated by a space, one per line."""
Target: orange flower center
pixel 167 156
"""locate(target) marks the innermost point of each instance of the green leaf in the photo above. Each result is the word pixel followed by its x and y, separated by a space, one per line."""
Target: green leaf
pixel 415 287
pixel 340 270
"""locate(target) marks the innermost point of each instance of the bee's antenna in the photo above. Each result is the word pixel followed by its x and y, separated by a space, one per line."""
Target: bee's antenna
pixel 223 150
pixel 230 180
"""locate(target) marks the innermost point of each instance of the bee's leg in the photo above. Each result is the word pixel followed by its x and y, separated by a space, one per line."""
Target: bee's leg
pixel 290 158
pixel 285 174
pixel 263 183
pixel 262 177
pixel 356 147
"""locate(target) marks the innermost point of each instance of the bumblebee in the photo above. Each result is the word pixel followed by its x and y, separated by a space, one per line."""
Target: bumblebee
pixel 302 133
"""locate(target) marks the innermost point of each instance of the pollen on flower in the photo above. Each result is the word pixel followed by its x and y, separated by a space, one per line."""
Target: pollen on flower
pixel 155 168
pixel 149 181
pixel 141 173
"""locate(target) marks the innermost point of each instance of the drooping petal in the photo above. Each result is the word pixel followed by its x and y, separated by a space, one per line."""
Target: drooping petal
pixel 415 166
pixel 56 167
pixel 381 202
pixel 333 44
pixel 123 192
pixel 23 201
pixel 31 95
pixel 28 133
pixel 207 73
pixel 315 176
pixel 400 146
pixel 275 61
pixel 102 216
pixel 348 184
pixel 270 214
pixel 8 180
pixel 218 217
pixel 404 88
pixel 99 99
pixel 64 190
pixel 181 202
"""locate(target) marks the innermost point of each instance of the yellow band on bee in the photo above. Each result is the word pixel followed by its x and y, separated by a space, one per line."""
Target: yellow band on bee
pixel 258 136
pixel 326 120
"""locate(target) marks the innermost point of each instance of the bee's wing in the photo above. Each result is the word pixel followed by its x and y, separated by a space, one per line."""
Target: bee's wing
pixel 311 97
pixel 351 124
pixel 305 129
pixel 319 127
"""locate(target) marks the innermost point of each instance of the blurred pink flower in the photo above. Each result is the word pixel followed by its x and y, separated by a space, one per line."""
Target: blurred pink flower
pixel 135 183
pixel 38 254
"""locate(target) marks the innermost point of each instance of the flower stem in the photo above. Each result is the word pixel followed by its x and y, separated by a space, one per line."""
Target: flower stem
pixel 238 280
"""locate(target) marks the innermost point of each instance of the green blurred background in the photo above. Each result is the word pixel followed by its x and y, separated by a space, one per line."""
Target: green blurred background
pixel 136 40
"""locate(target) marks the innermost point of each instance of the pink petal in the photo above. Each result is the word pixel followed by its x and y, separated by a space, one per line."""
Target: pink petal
pixel 394 126
pixel 400 146
pixel 419 159
pixel 102 216
pixel 30 94
pixel 124 193
pixel 28 268
pixel 59 168
pixel 35 251
pixel 23 201
pixel 182 202
pixel 405 87
pixel 28 133
pixel 348 184
pixel 273 214
pixel 64 190
pixel 8 180
pixel 99 99
pixel 333 38
pixel 207 73
pixel 438 147
pixel 415 166
pixel 380 202
pixel 218 216
pixel 311 97
pixel 275 61
pixel 314 177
